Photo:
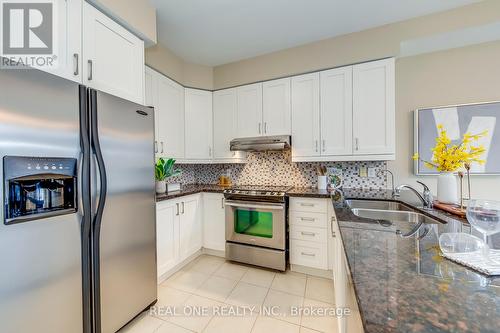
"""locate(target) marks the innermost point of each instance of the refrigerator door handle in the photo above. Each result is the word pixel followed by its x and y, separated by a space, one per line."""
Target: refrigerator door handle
pixel 83 190
pixel 101 168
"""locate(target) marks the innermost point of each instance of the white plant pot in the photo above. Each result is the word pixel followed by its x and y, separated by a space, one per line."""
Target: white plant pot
pixel 322 183
pixel 447 191
pixel 161 186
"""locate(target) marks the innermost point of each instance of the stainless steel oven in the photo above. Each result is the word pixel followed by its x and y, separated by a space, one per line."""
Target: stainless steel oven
pixel 256 221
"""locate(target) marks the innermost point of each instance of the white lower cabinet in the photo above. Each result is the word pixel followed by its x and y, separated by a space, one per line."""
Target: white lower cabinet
pixel 179 231
pixel 214 222
pixel 190 227
pixel 167 242
pixel 308 233
pixel 344 290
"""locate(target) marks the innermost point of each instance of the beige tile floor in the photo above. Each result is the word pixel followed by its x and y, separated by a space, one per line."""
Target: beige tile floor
pixel 212 283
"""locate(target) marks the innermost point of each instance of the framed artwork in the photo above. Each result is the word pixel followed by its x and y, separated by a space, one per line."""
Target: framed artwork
pixel 458 120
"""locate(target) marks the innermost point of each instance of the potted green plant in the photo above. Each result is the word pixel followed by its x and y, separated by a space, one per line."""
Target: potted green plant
pixel 164 169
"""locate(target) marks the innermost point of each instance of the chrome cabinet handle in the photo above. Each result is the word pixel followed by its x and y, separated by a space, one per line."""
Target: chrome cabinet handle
pixel 304 233
pixel 265 127
pixel 357 143
pixel 75 58
pixel 222 203
pixel 308 254
pixel 210 151
pixel 156 147
pixel 316 145
pixel 310 219
pixel 324 145
pixel 260 128
pixel 177 205
pixel 161 146
pixel 333 219
pixel 182 207
pixel 306 204
pixel 90 69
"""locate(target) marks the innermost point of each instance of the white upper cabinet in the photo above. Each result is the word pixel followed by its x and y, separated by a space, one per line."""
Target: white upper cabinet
pixel 305 115
pixel 336 111
pixel 374 107
pixel 169 113
pixel 225 122
pixel 249 115
pixel 276 107
pixel 69 37
pixel 167 98
pixel 198 124
pixel 113 57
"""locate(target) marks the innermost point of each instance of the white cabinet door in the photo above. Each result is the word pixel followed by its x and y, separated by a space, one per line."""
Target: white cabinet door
pixel 198 124
pixel 214 230
pixel 151 99
pixel 249 116
pixel 150 87
pixel 225 108
pixel 113 57
pixel 169 113
pixel 69 37
pixel 276 107
pixel 190 228
pixel 336 111
pixel 305 115
pixel 167 236
pixel 374 107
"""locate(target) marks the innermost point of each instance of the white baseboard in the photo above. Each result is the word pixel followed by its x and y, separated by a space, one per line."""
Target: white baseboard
pixel 328 274
pixel 216 253
pixel 163 277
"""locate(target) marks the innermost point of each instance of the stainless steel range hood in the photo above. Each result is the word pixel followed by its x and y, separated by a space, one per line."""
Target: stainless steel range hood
pixel 261 143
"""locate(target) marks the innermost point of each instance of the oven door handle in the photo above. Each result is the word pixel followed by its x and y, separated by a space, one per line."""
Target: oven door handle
pixel 253 205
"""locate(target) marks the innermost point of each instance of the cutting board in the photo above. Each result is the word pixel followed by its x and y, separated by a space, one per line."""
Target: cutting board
pixel 452 209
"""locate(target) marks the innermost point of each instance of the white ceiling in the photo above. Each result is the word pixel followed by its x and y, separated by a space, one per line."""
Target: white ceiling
pixel 215 32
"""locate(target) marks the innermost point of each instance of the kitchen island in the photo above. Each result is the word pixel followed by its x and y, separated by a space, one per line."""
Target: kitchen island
pixel 403 284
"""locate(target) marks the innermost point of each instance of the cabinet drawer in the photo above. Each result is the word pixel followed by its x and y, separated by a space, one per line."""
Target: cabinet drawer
pixel 315 220
pixel 315 235
pixel 308 254
pixel 309 205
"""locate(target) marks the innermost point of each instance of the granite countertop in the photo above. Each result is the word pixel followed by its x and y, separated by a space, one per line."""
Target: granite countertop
pixel 404 285
pixel 198 188
pixel 191 189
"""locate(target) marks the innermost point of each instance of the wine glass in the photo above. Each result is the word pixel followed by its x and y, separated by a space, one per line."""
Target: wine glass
pixel 484 215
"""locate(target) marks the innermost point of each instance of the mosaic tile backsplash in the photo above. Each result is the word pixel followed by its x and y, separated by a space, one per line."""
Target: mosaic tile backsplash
pixel 276 168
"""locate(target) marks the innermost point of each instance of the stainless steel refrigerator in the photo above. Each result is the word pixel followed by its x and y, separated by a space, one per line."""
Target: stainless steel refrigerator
pixel 77 230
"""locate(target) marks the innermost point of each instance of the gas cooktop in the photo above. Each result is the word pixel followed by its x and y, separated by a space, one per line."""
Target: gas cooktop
pixel 258 190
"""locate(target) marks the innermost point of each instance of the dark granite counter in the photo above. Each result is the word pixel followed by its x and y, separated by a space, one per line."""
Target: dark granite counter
pixel 310 192
pixel 190 189
pixel 198 188
pixel 404 285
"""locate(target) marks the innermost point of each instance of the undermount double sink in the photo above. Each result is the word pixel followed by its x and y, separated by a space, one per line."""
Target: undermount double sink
pixel 388 211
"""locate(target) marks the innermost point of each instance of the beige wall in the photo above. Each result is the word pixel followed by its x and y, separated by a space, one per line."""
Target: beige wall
pixel 352 48
pixel 137 15
pixel 166 62
pixel 465 75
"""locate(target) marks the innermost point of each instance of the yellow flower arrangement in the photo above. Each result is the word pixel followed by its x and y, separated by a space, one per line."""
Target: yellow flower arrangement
pixel 448 157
